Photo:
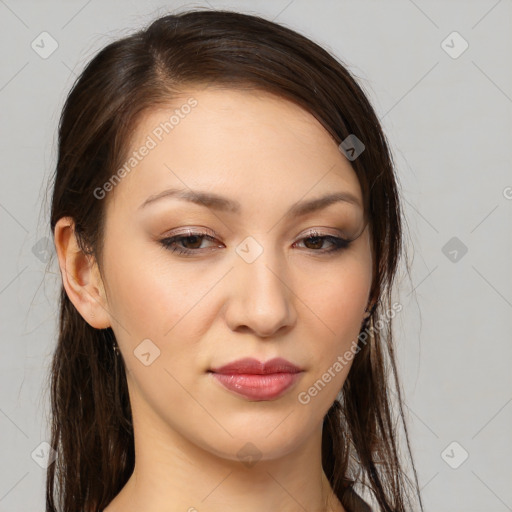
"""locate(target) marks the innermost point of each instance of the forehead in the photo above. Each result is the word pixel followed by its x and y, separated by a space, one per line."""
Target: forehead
pixel 218 112
pixel 247 142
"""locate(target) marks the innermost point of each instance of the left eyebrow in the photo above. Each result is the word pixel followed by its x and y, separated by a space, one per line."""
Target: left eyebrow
pixel 218 202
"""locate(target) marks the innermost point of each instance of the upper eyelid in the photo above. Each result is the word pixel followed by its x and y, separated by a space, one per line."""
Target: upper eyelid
pixel 340 242
pixel 199 232
pixel 313 233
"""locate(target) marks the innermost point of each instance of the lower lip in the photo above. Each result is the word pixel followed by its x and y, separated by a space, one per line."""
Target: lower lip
pixel 258 387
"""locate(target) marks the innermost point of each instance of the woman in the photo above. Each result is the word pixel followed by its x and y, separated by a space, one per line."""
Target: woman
pixel 227 225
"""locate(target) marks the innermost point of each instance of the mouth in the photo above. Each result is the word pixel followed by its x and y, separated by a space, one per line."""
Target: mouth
pixel 258 381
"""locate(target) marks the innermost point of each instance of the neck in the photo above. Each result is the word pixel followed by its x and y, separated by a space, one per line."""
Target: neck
pixel 171 474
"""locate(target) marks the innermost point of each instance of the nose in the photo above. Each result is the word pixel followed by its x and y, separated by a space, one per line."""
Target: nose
pixel 260 300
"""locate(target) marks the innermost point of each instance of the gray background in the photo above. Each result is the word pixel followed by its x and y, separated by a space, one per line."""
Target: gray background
pixel 449 124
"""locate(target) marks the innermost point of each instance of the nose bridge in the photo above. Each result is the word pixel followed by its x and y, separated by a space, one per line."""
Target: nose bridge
pixel 262 300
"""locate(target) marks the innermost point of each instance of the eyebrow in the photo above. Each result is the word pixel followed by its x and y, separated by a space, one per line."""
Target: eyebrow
pixel 218 202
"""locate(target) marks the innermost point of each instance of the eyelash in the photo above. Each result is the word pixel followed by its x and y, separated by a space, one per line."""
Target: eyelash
pixel 167 243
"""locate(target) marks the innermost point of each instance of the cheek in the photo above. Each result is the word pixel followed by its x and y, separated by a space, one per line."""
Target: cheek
pixel 160 302
pixel 149 305
pixel 339 298
pixel 137 296
pixel 143 291
pixel 337 303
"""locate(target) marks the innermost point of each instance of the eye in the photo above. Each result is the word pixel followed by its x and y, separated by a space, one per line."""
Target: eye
pixel 191 243
pixel 192 239
pixel 315 239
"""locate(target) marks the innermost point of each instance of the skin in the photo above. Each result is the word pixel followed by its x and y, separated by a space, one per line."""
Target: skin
pixel 295 301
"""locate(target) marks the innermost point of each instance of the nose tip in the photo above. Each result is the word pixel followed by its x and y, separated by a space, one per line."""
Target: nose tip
pixel 261 301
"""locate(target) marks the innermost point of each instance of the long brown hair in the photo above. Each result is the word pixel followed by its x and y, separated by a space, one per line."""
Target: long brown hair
pixel 91 425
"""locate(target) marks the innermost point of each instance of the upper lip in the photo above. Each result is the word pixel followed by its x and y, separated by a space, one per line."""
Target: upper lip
pixel 250 365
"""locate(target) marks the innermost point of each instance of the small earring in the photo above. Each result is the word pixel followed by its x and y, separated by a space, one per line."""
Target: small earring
pixel 372 309
pixel 368 312
pixel 116 348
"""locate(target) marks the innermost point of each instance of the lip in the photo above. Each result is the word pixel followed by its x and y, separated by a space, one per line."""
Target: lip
pixel 256 380
pixel 252 366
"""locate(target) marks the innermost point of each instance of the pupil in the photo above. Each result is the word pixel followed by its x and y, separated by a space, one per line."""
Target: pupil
pixel 316 241
pixel 193 238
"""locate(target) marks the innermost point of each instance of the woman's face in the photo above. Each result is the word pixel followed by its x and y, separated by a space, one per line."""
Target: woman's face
pixel 254 278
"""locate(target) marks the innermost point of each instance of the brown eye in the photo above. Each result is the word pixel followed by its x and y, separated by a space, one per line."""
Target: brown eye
pixel 185 244
pixel 315 241
pixel 190 243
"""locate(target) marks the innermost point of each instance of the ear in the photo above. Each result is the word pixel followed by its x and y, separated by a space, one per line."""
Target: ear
pixel 80 276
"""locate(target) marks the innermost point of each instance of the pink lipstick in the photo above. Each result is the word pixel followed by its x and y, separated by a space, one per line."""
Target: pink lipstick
pixel 256 380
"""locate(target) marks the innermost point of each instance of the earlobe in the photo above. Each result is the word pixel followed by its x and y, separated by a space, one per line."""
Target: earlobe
pixel 80 276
